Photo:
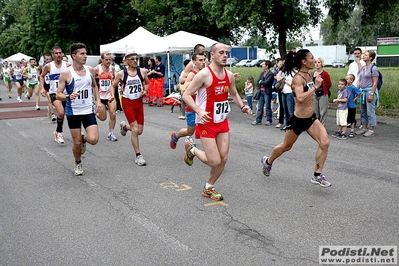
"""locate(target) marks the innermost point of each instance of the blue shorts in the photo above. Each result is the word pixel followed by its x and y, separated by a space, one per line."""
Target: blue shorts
pixel 20 81
pixel 190 119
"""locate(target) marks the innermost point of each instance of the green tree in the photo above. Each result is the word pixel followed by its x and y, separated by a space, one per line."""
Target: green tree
pixel 34 26
pixel 166 17
pixel 276 21
pixel 360 22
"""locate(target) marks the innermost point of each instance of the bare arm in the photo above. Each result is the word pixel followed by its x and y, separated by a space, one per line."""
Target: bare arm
pixel 186 71
pixel 146 81
pixel 45 70
pixel 200 80
pixel 25 73
pixel 234 94
pixel 279 76
pixel 115 83
pixel 65 77
pixel 187 82
pixel 95 87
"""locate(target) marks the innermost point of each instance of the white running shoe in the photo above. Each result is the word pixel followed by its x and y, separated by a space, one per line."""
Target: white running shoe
pixel 122 125
pixel 59 137
pixel 190 139
pixel 112 137
pixel 53 117
pixel 78 170
pixel 140 160
pixel 19 99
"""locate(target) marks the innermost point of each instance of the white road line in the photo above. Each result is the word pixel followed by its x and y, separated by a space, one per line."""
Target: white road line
pixel 52 154
pixel 23 134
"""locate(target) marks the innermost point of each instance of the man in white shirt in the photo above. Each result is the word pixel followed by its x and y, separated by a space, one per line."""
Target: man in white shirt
pixel 356 65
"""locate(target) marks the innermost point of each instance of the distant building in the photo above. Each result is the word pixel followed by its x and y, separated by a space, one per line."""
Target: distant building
pixel 308 43
pixel 388 52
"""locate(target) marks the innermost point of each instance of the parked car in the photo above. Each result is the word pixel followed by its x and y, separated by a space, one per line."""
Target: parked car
pixel 243 62
pixel 256 63
pixel 338 63
pixel 231 61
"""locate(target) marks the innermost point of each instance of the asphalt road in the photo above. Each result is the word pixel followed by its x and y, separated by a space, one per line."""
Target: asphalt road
pixel 119 213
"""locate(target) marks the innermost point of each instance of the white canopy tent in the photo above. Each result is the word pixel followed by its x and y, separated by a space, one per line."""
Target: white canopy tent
pixel 177 43
pixel 135 41
pixel 17 58
pixel 144 42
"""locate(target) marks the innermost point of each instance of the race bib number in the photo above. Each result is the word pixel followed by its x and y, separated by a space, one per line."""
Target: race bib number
pixel 6 74
pixel 34 78
pixel 134 91
pixel 83 97
pixel 18 76
pixel 105 84
pixel 47 79
pixel 221 110
pixel 310 84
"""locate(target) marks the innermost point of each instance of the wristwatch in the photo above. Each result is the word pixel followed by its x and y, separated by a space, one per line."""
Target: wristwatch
pixel 372 93
pixel 67 97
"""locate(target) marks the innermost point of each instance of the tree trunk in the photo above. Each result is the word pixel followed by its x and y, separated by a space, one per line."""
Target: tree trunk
pixel 282 42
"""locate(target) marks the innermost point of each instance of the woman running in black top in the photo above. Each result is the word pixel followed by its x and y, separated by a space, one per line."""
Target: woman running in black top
pixel 304 118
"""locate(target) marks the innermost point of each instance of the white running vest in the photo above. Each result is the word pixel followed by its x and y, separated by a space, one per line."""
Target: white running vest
pixel 83 104
pixel 133 88
pixel 55 76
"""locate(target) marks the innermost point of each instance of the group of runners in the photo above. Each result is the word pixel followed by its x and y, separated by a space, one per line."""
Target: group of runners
pixel 83 93
pixel 25 75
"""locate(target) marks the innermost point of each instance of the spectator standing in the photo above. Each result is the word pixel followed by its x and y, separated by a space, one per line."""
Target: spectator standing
pixel 150 96
pixel 368 80
pixel 249 89
pixel 288 73
pixel 356 65
pixel 354 94
pixel 342 109
pixel 265 83
pixel 280 110
pixel 159 74
pixel 321 95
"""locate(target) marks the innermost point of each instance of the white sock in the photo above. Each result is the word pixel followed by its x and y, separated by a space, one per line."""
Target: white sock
pixel 192 151
pixel 207 186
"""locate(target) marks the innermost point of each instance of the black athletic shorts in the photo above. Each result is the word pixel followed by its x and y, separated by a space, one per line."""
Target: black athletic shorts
pixel 46 86
pixel 53 97
pixel 300 125
pixel 76 121
pixel 104 101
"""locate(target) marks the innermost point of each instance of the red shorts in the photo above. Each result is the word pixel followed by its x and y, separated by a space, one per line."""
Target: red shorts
pixel 134 110
pixel 211 130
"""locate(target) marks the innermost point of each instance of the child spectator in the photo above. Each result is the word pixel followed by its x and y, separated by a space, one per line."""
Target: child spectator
pixel 342 109
pixel 249 89
pixel 354 94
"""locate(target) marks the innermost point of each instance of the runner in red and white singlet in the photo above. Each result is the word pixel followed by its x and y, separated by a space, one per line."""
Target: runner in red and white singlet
pixel 211 106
